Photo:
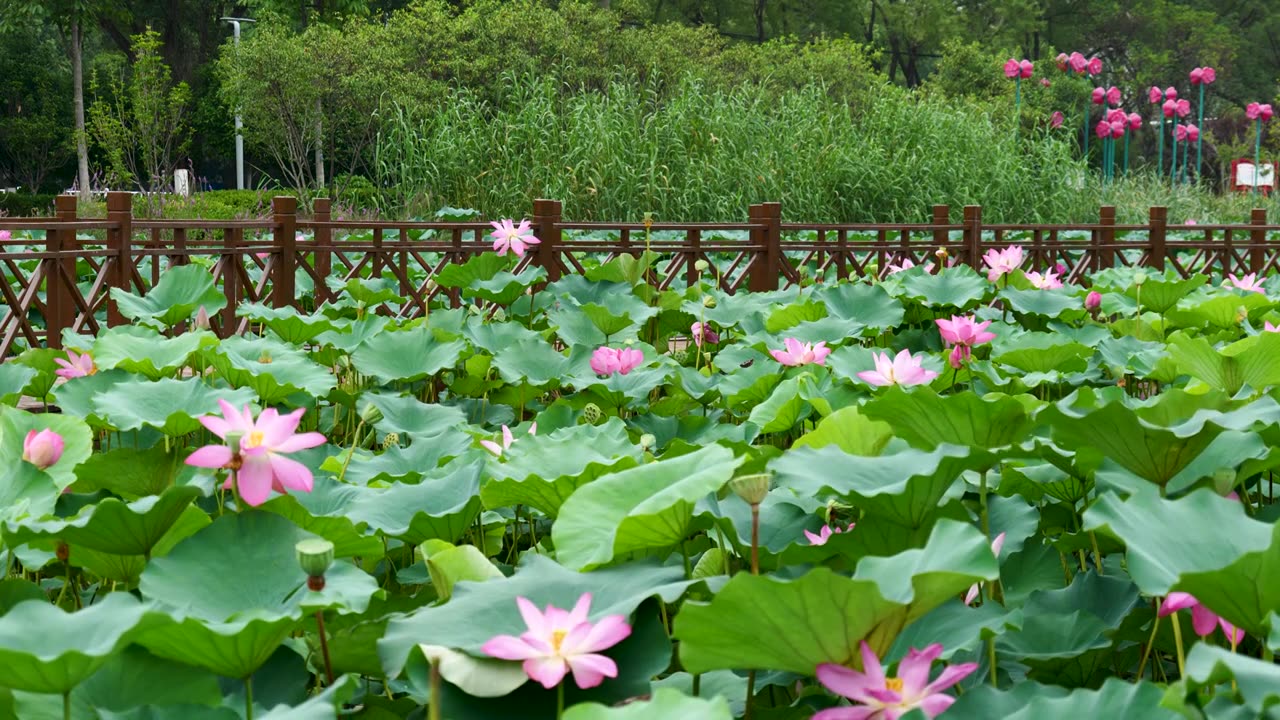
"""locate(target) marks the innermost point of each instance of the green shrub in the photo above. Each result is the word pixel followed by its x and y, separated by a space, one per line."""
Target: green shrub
pixel 26 205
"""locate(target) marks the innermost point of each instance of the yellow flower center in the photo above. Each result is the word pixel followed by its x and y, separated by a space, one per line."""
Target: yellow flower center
pixel 894 684
pixel 253 439
pixel 557 637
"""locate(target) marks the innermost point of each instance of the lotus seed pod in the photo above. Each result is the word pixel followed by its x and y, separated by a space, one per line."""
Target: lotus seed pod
pixel 1139 279
pixel 391 440
pixel 647 441
pixel 701 266
pixel 233 439
pixel 591 412
pixel 941 253
pixel 752 488
pixel 1223 480
pixel 315 556
pixel 708 302
pixel 681 356
pixel 371 415
pixel 499 315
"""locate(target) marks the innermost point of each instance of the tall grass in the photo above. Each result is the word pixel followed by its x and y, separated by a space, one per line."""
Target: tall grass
pixel 700 154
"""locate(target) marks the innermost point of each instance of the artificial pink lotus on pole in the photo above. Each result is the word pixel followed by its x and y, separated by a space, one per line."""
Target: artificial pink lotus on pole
pixel 1017 71
pixel 1055 120
pixel 879 697
pixel 1201 77
pixel 1258 113
pixel 507 236
pixel 903 369
pixel 797 353
pixel 260 466
pixel 559 642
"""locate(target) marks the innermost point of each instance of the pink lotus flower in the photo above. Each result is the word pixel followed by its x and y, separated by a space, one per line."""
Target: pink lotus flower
pixel 1092 301
pixel 1188 133
pixel 1095 66
pixel 507 236
pixel 507 439
pixel 1059 268
pixel 1181 108
pixel 797 353
pixel 42 448
pixel 1155 95
pixel 607 360
pixel 1115 114
pixel 1099 96
pixel 202 321
pixel 904 369
pixel 957 357
pixel 263 444
pixel 75 365
pixel 907 264
pixel 1118 128
pixel 975 588
pixel 1248 283
pixel 559 642
pixel 1203 619
pixel 702 332
pixel 964 330
pixel 1077 62
pixel 1000 262
pixel 1254 111
pixel 1134 121
pixel 299 237
pixel 1048 281
pixel 1055 120
pixel 882 698
pixel 824 534
pixel 1271 328
pixel 1204 75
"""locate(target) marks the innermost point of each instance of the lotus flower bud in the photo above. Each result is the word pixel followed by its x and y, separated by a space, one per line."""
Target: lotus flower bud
pixel 315 556
pixel 1223 480
pixel 1140 279
pixel 202 319
pixel 42 448
pixel 701 266
pixel 708 302
pixel 647 441
pixel 1093 301
pixel 751 488
pixel 941 253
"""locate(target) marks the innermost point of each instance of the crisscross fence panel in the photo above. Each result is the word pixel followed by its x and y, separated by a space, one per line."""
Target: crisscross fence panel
pixel 58 273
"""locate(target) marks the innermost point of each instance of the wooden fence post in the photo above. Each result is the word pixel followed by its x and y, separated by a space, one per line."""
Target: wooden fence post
pixel 941 238
pixel 1158 219
pixel 60 308
pixel 973 236
pixel 547 215
pixel 284 211
pixel 1105 256
pixel 1257 240
pixel 120 245
pixel 768 261
pixel 322 212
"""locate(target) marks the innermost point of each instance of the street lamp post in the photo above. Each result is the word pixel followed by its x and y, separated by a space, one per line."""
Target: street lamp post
pixel 235 29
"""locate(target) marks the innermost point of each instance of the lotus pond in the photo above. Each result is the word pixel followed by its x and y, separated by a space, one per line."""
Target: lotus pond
pixel 942 493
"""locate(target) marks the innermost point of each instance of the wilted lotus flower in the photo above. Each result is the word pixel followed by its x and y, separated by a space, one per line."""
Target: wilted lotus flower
pixel 825 533
pixel 1203 619
pixel 904 369
pixel 1092 301
pixel 507 236
pixel 507 439
pixel 559 642
pixel 263 444
pixel 42 448
pixel 797 353
pixel 607 360
pixel 1000 262
pixel 1248 283
pixel 702 332
pixel 75 366
pixel 883 698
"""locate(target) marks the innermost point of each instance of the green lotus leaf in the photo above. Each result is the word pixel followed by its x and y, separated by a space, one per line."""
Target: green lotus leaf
pixel 783 319
pixel 1049 303
pixel 958 287
pixel 782 410
pixel 450 564
pixel 273 369
pixel 851 431
pixel 641 508
pixel 412 417
pixel 128 569
pixel 664 703
pixel 904 487
pixel 1161 295
pixel 1219 313
pixel 170 406
pixel 287 323
pixel 783 520
pixel 323 512
pixel 44 362
pixel 927 420
pixel 762 622
pixel 1032 701
pixel 493 337
pixel 76 437
pixel 1254 361
pixel 144 351
pixel 1129 355
pixel 483 266
pixel 77 396
pixel 479 611
pixel 1179 545
pixel 1258 682
pixel 531 360
pixel 365 292
pixel 504 288
pixel 1042 353
pixel 110 525
pixel 68 647
pixel 442 506
pixel 542 471
pixel 406 355
pixel 129 472
pixel 14 378
pixel 868 307
pixel 398 463
pixel 181 291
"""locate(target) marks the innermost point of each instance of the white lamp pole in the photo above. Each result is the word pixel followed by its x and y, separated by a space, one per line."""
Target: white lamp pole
pixel 235 29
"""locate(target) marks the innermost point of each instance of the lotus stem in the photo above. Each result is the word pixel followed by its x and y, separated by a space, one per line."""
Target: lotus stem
pixel 1085 132
pixel 1017 103
pixel 1097 556
pixel 1177 643
pixel 560 700
pixel 433 710
pixel 66 705
pixel 248 697
pixel 991 658
pixel 1160 162
pixel 982 503
pixel 1146 652
pixel 697 684
pixel 1125 170
pixel 688 569
pixel 324 647
pixel 755 538
pixel 751 691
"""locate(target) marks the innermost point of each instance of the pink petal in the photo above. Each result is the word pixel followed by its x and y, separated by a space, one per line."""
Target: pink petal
pixel 1233 633
pixel 492 447
pixel 210 456
pixel 914 669
pixel 794 347
pixel 860 712
pixel 507 438
pixel 581 611
pixel 951 675
pixel 507 647
pixel 935 705
pixel 277 428
pixel 610 631
pixel 871 666
pixel 254 479
pixel 782 357
pixel 1176 601
pixel 871 377
pixel 590 670
pixel 533 618
pixel 972 595
pixel 997 545
pixel 1204 620
pixel 291 473
pixel 301 441
pixel 848 683
pixel 548 671
pixel 215 425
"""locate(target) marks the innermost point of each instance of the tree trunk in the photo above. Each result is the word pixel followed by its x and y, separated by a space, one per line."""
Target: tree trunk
pixel 77 104
pixel 319 145
pixel 760 19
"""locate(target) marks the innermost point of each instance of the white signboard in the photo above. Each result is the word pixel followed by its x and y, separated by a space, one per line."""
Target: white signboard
pixel 1245 175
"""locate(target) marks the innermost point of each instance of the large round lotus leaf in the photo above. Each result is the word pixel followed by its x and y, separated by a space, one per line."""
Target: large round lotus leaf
pixel 130 472
pixel 664 703
pixel 76 437
pixel 412 417
pixel 479 611
pixel 1032 701
pixel 1258 681
pixel 287 323
pixel 143 351
pixel 542 471
pixel 231 649
pixel 406 355
pixel 758 621
pixel 110 525
pixel 13 380
pixel 926 419
pixel 244 564
pixel 180 292
pixel 24 490
pixel 170 406
pixel 442 506
pixel 649 506
pixel 45 650
pixel 271 368
pixel 532 360
pixel 957 287
pixel 76 396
